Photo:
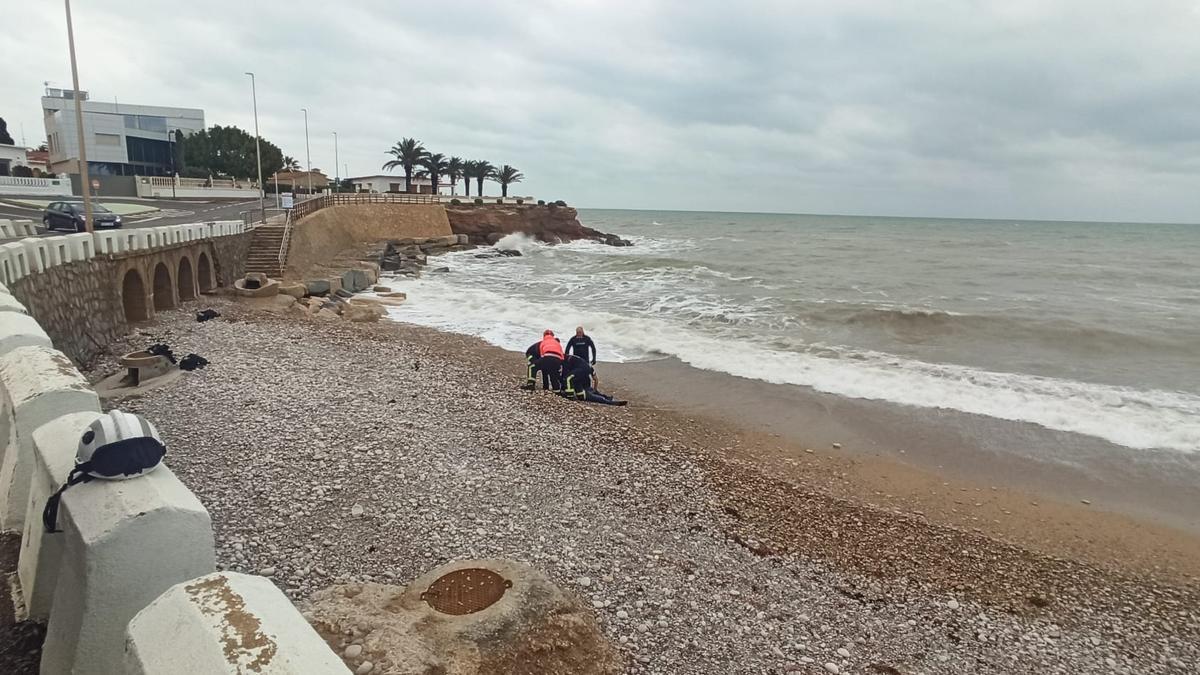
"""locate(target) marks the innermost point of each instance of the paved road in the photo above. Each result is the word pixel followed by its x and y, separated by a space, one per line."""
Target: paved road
pixel 168 213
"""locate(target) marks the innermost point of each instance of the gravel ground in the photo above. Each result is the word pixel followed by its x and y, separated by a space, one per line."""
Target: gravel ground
pixel 328 452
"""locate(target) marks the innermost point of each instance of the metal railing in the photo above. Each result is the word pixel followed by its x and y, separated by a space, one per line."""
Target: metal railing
pixel 255 217
pixel 315 204
pixel 283 245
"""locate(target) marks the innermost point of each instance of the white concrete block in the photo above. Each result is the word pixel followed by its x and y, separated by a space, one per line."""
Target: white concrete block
pixel 42 384
pixel 225 623
pixel 10 304
pixel 178 233
pixel 21 330
pixel 110 242
pixel 58 249
pixel 139 239
pixel 124 544
pixel 6 229
pixel 54 447
pixel 36 254
pixel 81 245
pixel 25 228
pixel 16 261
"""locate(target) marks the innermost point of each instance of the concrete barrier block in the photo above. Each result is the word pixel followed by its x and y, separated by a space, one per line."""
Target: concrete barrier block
pixel 82 246
pixel 36 254
pixel 124 544
pixel 58 249
pixel 139 240
pixel 42 384
pixel 111 242
pixel 178 233
pixel 21 330
pixel 54 447
pixel 17 261
pixel 6 229
pixel 10 304
pixel 25 228
pixel 209 229
pixel 225 623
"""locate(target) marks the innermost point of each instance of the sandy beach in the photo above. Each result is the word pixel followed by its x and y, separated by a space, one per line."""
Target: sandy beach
pixel 705 540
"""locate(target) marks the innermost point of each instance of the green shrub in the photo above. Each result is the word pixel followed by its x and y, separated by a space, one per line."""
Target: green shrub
pixel 478 200
pixel 560 203
pixel 455 202
pixel 541 202
pixel 499 201
pixel 520 201
pixel 552 205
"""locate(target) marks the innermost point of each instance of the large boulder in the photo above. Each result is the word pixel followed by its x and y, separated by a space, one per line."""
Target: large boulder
pixel 295 290
pixel 317 287
pixel 355 280
pixel 468 618
pixel 362 312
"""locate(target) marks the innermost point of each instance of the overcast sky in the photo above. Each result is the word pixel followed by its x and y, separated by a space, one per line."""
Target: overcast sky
pixel 1006 109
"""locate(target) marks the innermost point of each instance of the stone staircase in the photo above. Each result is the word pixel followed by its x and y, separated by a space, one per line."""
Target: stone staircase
pixel 264 250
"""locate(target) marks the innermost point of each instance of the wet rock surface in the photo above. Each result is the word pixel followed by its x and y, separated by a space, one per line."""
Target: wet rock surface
pixel 487 224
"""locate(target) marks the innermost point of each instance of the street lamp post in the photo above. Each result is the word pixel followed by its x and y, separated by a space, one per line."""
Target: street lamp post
pixel 84 185
pixel 307 154
pixel 337 183
pixel 258 150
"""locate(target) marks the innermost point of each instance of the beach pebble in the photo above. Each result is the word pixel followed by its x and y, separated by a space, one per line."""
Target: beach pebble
pixel 832 668
pixel 356 510
pixel 266 572
pixel 953 604
pixel 843 652
pixel 364 668
pixel 353 651
pixel 584 581
pixel 837 446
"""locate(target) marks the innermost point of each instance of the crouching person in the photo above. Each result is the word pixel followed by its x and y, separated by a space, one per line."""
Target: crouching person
pixel 580 382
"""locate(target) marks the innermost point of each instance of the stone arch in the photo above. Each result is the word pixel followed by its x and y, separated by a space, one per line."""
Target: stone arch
pixel 164 293
pixel 133 297
pixel 185 281
pixel 204 272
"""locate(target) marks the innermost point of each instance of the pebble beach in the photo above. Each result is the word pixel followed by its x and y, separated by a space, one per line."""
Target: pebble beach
pixel 330 452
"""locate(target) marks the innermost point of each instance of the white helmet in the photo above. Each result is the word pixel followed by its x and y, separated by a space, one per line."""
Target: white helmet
pixel 116 446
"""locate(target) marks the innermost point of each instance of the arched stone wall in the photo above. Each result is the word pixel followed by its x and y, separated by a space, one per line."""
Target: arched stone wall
pixel 133 297
pixel 204 273
pixel 184 279
pixel 164 288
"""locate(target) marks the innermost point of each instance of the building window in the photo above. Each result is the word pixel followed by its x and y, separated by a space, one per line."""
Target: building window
pixel 146 123
pixel 108 139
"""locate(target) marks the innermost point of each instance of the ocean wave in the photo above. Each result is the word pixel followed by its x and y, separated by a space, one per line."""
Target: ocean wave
pixel 1142 419
pixel 916 325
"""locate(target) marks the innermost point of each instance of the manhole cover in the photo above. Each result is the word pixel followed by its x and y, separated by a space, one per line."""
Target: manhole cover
pixel 466 591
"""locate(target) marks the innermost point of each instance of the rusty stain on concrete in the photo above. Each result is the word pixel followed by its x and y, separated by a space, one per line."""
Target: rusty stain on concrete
pixel 241 630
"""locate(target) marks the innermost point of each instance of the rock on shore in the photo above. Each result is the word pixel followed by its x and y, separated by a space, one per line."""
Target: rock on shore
pixel 487 224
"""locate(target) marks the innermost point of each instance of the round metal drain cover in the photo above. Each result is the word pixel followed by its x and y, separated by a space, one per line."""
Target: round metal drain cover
pixel 466 591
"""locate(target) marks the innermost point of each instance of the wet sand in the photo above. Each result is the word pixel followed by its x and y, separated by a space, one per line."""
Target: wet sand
pixel 1054 492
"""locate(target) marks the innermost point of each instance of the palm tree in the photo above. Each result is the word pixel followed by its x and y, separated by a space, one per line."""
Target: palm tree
pixel 436 165
pixel 505 176
pixel 454 171
pixel 408 152
pixel 468 172
pixel 290 164
pixel 483 170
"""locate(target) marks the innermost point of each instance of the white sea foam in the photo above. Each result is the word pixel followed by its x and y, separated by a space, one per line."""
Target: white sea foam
pixel 1125 416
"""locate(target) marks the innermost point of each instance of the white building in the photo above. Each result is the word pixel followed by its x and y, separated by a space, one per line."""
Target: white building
pixel 394 183
pixel 11 156
pixel 120 138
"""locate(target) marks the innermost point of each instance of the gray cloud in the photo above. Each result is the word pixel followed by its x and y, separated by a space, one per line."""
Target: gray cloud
pixel 1021 109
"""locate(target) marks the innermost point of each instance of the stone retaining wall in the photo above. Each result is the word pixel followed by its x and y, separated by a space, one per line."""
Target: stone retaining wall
pixel 81 303
pixel 318 238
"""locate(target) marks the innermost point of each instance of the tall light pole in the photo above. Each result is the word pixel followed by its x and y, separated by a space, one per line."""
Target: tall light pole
pixel 84 185
pixel 337 183
pixel 307 154
pixel 258 149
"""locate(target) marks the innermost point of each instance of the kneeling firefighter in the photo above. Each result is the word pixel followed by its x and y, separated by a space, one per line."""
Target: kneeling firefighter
pixel 580 382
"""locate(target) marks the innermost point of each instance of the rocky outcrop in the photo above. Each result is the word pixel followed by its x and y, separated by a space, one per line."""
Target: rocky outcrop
pixel 467 618
pixel 487 224
pixel 408 256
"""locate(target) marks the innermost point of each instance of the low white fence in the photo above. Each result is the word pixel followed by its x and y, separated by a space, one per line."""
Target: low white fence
pixel 166 187
pixel 129 584
pixel 12 185
pixel 36 254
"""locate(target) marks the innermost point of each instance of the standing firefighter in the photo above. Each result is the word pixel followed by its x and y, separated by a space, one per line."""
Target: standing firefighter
pixel 548 362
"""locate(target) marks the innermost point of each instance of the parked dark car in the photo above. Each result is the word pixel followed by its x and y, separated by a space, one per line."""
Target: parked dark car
pixel 69 215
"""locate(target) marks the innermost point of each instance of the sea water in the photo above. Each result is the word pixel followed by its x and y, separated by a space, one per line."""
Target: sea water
pixel 1091 328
